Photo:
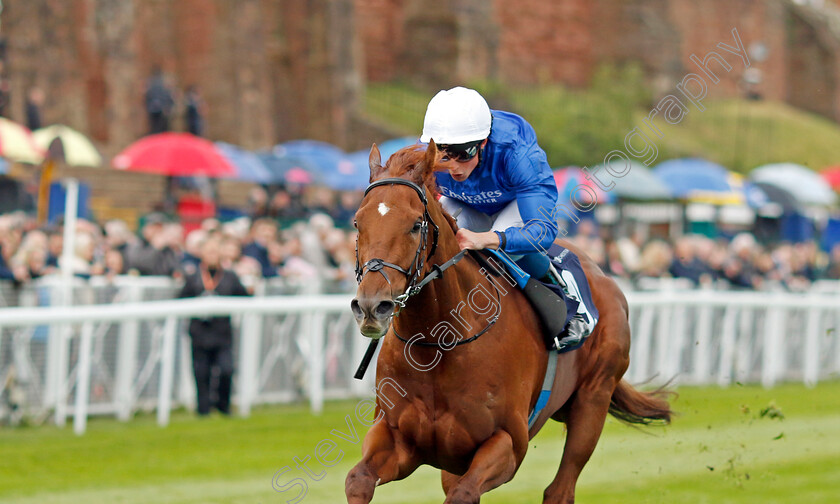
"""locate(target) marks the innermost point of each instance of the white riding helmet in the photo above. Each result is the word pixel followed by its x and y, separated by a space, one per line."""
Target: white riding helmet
pixel 456 116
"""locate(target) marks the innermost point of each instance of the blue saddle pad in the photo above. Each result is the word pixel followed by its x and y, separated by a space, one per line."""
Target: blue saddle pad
pixel 564 259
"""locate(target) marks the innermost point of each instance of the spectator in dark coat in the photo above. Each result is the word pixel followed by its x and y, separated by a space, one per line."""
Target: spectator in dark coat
pixel 34 102
pixel 345 209
pixel 152 255
pixel 686 264
pixel 194 111
pixel 159 103
pixel 212 337
pixel 263 232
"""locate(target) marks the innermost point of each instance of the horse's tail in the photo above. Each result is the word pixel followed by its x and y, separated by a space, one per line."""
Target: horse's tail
pixel 629 405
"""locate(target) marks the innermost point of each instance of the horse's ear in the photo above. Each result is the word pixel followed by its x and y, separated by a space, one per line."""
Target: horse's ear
pixel 375 163
pixel 430 159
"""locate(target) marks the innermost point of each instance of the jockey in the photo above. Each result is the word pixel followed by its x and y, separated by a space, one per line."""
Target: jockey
pixel 500 181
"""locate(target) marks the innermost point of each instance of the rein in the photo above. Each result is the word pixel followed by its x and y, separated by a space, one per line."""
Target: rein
pixel 490 323
pixel 413 273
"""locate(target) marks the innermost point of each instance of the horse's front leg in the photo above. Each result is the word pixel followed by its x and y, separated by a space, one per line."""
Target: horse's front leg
pixel 447 481
pixel 494 463
pixel 385 457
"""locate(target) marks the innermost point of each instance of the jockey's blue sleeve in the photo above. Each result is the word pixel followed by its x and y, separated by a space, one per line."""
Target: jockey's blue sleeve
pixel 512 167
pixel 536 197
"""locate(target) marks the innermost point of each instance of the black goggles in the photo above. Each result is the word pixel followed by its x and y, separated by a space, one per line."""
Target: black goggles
pixel 460 152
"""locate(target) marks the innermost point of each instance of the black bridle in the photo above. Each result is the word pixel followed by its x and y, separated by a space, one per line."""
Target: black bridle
pixel 416 267
pixel 414 271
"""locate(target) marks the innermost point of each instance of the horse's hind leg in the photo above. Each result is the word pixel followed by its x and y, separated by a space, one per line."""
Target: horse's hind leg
pixel 384 459
pixel 494 463
pixel 584 421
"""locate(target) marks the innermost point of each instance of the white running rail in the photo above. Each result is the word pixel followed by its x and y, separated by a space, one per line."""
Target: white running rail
pixel 127 356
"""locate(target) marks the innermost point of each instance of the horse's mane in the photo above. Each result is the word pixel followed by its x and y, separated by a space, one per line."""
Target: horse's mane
pixel 407 163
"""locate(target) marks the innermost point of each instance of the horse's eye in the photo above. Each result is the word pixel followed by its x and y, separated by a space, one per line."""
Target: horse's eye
pixel 355 224
pixel 417 226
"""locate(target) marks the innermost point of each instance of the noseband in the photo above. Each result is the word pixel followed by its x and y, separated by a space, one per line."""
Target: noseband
pixel 416 266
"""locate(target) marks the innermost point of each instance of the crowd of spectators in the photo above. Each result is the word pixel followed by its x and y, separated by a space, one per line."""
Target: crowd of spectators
pixel 738 264
pixel 281 238
pixel 309 248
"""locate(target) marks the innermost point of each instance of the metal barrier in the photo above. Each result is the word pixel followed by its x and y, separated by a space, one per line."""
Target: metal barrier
pixel 708 337
pixel 290 347
pixel 121 347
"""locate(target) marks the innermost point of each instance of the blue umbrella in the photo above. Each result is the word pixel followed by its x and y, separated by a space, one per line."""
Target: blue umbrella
pixel 323 156
pixel 691 175
pixel 389 147
pixel 280 166
pixel 353 172
pixel 248 165
pixel 700 180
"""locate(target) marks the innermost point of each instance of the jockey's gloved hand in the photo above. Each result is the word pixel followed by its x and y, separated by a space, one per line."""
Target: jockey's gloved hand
pixel 471 240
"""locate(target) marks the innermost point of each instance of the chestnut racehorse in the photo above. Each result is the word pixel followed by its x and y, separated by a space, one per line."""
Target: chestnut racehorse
pixel 464 409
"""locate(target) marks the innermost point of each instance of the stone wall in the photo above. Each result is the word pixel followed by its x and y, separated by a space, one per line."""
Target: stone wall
pixel 533 41
pixel 274 70
pixel 270 71
pixel 381 26
pixel 543 42
pixel 703 25
pixel 814 62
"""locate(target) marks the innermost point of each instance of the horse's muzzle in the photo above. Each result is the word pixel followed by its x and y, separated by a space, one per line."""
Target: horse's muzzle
pixel 373 315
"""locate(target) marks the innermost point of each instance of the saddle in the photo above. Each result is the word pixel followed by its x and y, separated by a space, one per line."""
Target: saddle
pixel 550 301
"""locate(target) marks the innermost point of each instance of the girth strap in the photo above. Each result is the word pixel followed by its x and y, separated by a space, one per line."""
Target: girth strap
pixel 545 393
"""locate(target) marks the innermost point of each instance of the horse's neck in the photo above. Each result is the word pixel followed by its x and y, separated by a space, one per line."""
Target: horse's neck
pixel 436 301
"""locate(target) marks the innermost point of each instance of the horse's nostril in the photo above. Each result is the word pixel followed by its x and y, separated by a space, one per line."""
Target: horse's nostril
pixel 357 310
pixel 366 307
pixel 384 309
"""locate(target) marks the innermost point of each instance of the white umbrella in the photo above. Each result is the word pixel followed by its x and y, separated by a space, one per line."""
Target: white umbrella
pixel 77 149
pixel 17 144
pixel 804 184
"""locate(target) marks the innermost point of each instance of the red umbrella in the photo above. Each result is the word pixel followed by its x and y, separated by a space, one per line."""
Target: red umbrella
pixel 176 155
pixel 832 176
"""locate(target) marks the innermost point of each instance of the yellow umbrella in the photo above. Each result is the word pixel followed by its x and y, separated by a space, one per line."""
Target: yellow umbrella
pixel 78 150
pixel 62 143
pixel 17 143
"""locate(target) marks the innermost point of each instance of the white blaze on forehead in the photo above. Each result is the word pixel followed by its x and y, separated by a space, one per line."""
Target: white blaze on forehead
pixel 383 209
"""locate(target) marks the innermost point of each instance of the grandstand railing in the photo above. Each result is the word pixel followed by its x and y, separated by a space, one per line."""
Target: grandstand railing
pixel 121 347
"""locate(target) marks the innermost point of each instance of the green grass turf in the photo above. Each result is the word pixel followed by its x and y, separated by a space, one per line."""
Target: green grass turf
pixel 742 135
pixel 720 449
